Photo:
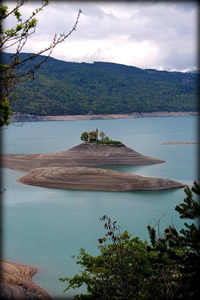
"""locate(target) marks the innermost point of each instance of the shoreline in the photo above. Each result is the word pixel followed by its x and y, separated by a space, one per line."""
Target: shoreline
pixel 18 117
pixel 16 282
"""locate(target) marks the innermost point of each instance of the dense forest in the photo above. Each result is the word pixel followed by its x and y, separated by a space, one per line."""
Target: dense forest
pixel 69 88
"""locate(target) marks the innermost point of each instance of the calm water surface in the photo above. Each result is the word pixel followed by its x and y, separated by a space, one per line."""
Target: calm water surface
pixel 44 227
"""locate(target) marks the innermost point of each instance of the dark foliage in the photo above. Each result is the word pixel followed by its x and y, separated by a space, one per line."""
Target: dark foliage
pixel 128 268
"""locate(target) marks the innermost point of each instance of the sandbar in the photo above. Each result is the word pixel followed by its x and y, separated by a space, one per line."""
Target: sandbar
pixel 95 179
pixel 179 143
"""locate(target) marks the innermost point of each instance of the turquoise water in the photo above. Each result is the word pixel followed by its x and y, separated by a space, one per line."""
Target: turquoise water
pixel 44 227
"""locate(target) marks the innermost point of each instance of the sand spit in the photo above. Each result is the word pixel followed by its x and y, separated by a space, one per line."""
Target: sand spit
pixel 95 179
pixel 16 282
pixel 83 155
pixel 179 143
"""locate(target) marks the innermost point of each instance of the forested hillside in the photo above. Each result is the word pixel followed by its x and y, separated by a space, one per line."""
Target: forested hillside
pixel 68 88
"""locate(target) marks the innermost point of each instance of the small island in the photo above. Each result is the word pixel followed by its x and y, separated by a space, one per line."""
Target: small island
pixel 78 168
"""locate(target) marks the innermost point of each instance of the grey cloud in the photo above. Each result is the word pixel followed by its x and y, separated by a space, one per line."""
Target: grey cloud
pixel 172 30
pixel 169 26
pixel 94 23
pixel 187 6
pixel 158 23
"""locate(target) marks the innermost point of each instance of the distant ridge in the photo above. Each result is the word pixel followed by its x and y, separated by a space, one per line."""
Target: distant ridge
pixel 69 88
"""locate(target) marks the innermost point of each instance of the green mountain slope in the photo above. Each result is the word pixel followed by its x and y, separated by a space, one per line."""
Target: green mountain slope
pixel 67 88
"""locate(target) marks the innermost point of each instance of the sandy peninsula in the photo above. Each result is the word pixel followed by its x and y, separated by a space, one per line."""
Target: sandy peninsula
pixel 95 179
pixel 16 282
pixel 74 169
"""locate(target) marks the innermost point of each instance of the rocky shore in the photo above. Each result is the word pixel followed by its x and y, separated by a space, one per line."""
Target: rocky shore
pixel 16 282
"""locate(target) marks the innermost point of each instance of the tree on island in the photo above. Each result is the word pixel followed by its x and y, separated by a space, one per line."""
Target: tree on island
pixel 84 136
pixel 92 136
pixel 106 139
pixel 102 135
pixel 18 35
pixel 129 268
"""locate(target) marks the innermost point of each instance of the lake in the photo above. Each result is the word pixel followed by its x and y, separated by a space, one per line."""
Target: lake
pixel 43 227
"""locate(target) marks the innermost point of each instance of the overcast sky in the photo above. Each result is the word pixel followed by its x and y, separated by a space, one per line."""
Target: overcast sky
pixel 159 34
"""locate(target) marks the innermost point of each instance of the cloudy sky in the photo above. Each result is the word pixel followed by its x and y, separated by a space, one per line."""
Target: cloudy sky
pixel 159 34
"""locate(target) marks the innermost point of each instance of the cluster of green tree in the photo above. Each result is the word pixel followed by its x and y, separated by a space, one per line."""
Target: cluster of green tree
pixel 68 88
pixel 92 136
pixel 128 268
